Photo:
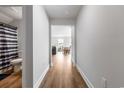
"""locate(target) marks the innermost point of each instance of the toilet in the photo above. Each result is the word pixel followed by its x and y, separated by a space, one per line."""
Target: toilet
pixel 17 64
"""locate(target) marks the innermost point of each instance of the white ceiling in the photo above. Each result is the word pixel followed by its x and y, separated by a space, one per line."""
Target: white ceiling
pixel 61 31
pixel 8 14
pixel 62 11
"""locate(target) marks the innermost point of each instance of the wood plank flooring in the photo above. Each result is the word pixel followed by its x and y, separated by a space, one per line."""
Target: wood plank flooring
pixel 63 74
pixel 12 81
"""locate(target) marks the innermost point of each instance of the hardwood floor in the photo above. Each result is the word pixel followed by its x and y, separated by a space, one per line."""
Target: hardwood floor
pixel 63 74
pixel 12 81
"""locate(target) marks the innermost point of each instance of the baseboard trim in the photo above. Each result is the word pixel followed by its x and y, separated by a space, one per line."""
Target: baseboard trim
pixel 89 84
pixel 41 78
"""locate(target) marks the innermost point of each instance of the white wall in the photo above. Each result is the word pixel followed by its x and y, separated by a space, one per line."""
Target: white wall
pixel 62 21
pixel 40 42
pixel 100 44
pixel 61 30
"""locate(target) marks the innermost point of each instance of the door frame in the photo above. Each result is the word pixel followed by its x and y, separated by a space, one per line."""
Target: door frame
pixel 50 45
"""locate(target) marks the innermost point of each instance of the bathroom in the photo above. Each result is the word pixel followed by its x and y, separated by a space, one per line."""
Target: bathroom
pixel 11 29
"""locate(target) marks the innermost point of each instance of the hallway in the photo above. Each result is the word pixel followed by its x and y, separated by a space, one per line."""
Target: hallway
pixel 97 46
pixel 63 74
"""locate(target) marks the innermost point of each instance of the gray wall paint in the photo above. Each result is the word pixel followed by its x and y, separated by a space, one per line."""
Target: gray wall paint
pixel 27 49
pixel 100 44
pixel 40 42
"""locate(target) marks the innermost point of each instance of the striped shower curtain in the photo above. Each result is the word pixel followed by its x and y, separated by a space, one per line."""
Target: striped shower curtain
pixel 8 46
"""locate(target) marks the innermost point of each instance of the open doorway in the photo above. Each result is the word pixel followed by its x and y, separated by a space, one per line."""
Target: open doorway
pixel 61 42
pixel 11 46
